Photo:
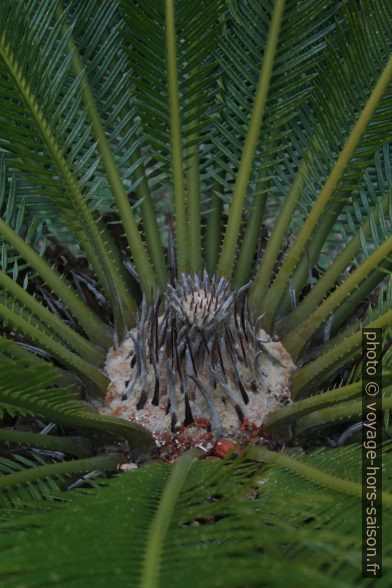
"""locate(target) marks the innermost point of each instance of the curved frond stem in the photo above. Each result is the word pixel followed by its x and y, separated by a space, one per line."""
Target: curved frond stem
pixel 176 143
pixel 161 521
pixel 350 345
pixel 328 341
pixel 298 338
pixel 272 251
pixel 94 327
pixel 226 262
pixel 60 329
pixel 35 394
pixel 313 403
pixel 55 348
pixel 293 256
pixel 79 446
pixel 139 254
pixel 97 253
pixel 100 462
pixel 310 255
pixel 342 412
pixel 12 350
pixel 252 233
pixel 323 285
pixel 193 194
pixel 213 229
pixel 360 294
pixel 310 473
pixel 122 304
pixel 150 223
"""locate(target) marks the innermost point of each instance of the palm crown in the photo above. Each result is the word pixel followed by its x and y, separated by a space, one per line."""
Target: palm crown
pixel 241 143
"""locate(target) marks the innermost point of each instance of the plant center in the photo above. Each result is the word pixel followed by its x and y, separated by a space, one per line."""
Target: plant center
pixel 198 367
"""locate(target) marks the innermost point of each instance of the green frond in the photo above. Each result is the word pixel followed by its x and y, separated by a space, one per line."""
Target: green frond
pixel 49 323
pixel 298 339
pixel 175 109
pixel 376 227
pixel 332 97
pixel 38 478
pixel 345 155
pixel 300 46
pixel 342 222
pixel 12 411
pixel 344 412
pixel 112 171
pixel 175 139
pixel 280 419
pixel 114 92
pixel 363 292
pixel 226 262
pixel 19 465
pixel 35 331
pixel 78 446
pixel 213 229
pixel 330 361
pixel 19 241
pixel 198 27
pixel 269 532
pixel 141 140
pixel 33 389
pixel 15 213
pixel 11 350
pixel 45 117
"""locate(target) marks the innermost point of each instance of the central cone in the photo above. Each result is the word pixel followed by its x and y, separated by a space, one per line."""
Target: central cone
pixel 198 367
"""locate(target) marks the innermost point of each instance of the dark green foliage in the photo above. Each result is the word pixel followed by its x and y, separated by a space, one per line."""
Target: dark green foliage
pixel 261 127
pixel 212 537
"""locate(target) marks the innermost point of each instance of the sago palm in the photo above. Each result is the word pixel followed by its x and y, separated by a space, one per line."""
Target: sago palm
pixel 195 203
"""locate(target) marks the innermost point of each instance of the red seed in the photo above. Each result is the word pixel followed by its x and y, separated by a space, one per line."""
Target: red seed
pixel 202 422
pixel 222 447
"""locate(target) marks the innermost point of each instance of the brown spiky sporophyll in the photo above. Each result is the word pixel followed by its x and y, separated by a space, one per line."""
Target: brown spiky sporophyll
pixel 195 224
pixel 201 370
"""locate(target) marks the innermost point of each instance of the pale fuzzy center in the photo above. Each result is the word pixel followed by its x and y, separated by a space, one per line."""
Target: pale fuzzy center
pixel 276 368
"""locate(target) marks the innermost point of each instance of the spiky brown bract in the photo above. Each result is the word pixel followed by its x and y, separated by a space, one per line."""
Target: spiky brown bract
pixel 198 359
pixel 249 137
